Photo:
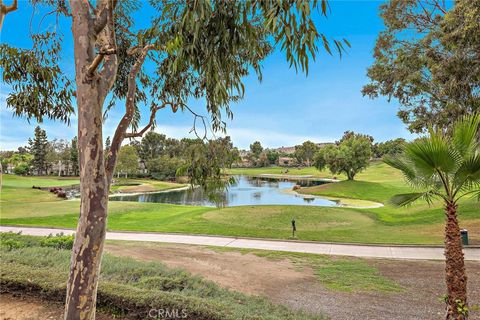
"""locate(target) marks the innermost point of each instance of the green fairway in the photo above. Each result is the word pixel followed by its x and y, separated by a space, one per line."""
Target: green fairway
pixel 19 189
pixel 416 224
pixel 293 171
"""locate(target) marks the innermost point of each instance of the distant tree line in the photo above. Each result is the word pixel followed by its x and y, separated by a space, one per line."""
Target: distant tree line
pixel 43 157
pixel 155 156
pixel 160 157
pixel 349 155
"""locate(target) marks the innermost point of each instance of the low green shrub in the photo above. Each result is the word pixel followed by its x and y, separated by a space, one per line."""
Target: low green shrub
pixel 26 241
pixel 12 244
pixel 59 241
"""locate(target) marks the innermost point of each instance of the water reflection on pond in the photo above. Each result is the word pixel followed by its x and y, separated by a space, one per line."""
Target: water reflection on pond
pixel 246 191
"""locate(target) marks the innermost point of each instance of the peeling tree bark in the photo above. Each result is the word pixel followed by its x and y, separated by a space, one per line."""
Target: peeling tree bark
pixel 455 275
pixel 90 32
pixel 92 88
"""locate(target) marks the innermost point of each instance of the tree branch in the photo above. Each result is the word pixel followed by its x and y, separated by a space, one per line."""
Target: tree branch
pixel 10 8
pixel 4 10
pixel 194 127
pixel 129 111
pixel 150 123
pixel 98 59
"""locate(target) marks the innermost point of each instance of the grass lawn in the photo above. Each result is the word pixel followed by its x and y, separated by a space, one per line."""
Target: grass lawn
pixel 19 189
pixel 416 224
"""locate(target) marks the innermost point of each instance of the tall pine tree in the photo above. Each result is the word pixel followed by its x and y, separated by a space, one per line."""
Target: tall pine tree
pixel 74 156
pixel 38 148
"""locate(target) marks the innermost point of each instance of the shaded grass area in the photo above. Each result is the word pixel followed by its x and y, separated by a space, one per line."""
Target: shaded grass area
pixel 335 273
pixel 128 287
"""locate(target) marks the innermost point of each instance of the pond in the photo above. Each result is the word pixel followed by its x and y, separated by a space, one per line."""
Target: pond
pixel 246 191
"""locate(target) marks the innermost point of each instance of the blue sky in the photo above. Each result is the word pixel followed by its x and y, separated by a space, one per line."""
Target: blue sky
pixel 285 109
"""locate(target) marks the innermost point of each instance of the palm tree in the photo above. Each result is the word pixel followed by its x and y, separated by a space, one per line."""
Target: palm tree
pixel 445 166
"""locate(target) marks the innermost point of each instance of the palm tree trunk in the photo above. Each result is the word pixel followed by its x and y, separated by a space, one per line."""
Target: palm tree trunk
pixel 455 276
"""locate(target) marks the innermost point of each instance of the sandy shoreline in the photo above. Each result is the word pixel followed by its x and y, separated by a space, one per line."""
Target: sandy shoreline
pixel 343 202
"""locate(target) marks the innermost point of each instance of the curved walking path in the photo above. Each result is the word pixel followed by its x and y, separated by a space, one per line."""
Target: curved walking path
pixel 355 250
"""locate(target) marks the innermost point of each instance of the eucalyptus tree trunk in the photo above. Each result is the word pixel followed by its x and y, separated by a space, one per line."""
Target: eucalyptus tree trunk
pixel 455 276
pixel 91 90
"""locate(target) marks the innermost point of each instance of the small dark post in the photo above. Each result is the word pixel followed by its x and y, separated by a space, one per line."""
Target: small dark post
pixel 464 235
pixel 294 228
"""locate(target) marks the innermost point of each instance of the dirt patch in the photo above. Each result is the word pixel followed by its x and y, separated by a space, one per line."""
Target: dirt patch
pixel 29 308
pixel 242 272
pixel 285 283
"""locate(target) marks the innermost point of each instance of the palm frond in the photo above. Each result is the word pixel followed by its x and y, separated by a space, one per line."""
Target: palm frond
pixel 404 166
pixel 474 193
pixel 464 136
pixel 432 155
pixel 401 200
pixel 468 173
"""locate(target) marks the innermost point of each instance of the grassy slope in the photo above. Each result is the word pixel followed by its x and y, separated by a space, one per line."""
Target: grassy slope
pixel 417 224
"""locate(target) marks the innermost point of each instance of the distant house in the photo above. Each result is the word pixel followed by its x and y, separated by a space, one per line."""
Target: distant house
pixel 244 159
pixel 286 150
pixel 324 144
pixel 60 168
pixel 286 161
pixel 9 168
pixel 244 162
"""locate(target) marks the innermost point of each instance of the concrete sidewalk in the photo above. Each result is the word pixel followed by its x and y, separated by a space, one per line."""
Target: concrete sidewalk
pixel 369 251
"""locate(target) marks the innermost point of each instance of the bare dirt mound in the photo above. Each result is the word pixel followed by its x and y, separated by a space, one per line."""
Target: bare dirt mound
pixel 19 308
pixel 30 308
pixel 242 272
